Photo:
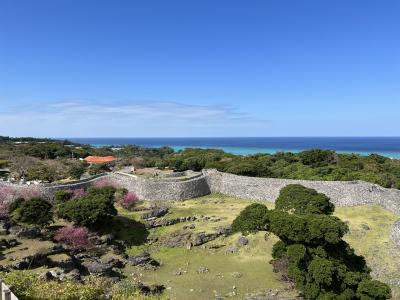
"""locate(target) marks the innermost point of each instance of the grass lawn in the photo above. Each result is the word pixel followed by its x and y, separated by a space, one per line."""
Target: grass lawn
pixel 369 235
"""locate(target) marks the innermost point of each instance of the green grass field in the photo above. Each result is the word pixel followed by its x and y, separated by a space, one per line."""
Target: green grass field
pixel 252 261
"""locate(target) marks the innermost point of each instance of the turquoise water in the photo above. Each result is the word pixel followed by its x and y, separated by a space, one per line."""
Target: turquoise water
pixel 386 146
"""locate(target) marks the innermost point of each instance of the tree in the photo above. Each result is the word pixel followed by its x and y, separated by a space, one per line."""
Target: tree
pixel 92 210
pixel 373 289
pixel 34 211
pixel 74 238
pixel 311 251
pixel 253 218
pixel 301 200
pixel 62 196
pixel 317 157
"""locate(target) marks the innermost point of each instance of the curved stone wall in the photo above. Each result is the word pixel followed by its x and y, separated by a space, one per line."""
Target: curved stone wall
pixel 341 193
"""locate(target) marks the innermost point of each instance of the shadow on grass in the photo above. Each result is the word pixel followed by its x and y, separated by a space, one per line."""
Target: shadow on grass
pixel 132 232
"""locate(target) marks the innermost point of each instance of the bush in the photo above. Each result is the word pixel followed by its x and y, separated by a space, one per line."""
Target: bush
pixel 15 204
pixel 34 211
pixel 373 289
pixel 92 210
pixel 253 218
pixel 301 200
pixel 317 157
pixel 311 250
pixel 98 169
pixel 129 200
pixel 74 238
pixel 62 196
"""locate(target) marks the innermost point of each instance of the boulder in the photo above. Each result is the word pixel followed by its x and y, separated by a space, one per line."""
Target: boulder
pixel 73 275
pixel 24 232
pixel 242 241
pixel 155 213
pixel 6 244
pixel 96 267
pixel 224 230
pixel 143 260
pixel 202 238
pixel 178 238
pixel 107 239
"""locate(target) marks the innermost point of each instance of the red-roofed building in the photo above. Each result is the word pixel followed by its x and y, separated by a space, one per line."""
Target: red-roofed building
pixel 100 159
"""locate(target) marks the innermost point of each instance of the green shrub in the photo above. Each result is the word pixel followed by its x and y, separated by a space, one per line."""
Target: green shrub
pixel 311 250
pixel 301 200
pixel 62 196
pixel 373 290
pixel 92 210
pixel 98 169
pixel 34 211
pixel 253 218
pixel 15 204
pixel 317 157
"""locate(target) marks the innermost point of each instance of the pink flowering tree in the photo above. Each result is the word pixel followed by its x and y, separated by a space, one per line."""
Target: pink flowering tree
pixel 10 193
pixel 7 193
pixel 28 193
pixel 107 182
pixel 73 238
pixel 129 200
pixel 77 193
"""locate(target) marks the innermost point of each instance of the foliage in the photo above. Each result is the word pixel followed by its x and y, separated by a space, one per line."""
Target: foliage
pixel 43 171
pixel 91 210
pixel 129 200
pixel 74 238
pixel 34 211
pixel 99 168
pixel 16 204
pixel 317 157
pixel 253 218
pixel 62 196
pixel 301 200
pixel 373 289
pixel 321 264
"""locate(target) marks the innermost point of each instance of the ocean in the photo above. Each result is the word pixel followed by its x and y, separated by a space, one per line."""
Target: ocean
pixel 386 146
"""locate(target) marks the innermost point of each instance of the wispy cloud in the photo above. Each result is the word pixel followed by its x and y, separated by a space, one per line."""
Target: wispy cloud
pixel 152 118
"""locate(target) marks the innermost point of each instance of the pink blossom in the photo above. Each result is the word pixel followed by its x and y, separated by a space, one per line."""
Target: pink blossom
pixel 28 193
pixel 74 238
pixel 6 193
pixel 107 182
pixel 129 200
pixel 76 193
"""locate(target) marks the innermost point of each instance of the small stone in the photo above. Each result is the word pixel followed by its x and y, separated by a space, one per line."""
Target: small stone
pixel 236 274
pixel 232 249
pixel 242 241
pixel 202 269
pixel 365 226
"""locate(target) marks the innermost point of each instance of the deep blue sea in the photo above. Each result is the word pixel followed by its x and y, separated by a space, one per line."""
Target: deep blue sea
pixel 387 146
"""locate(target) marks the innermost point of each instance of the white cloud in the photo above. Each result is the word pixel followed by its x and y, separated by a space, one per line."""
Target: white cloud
pixel 79 118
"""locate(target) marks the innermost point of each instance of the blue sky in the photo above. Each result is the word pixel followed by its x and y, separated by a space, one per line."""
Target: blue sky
pixel 80 68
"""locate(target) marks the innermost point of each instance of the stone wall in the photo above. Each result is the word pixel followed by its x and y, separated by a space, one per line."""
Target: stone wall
pixel 341 193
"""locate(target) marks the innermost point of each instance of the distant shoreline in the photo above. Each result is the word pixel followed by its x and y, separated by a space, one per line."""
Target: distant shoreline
pixel 385 146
